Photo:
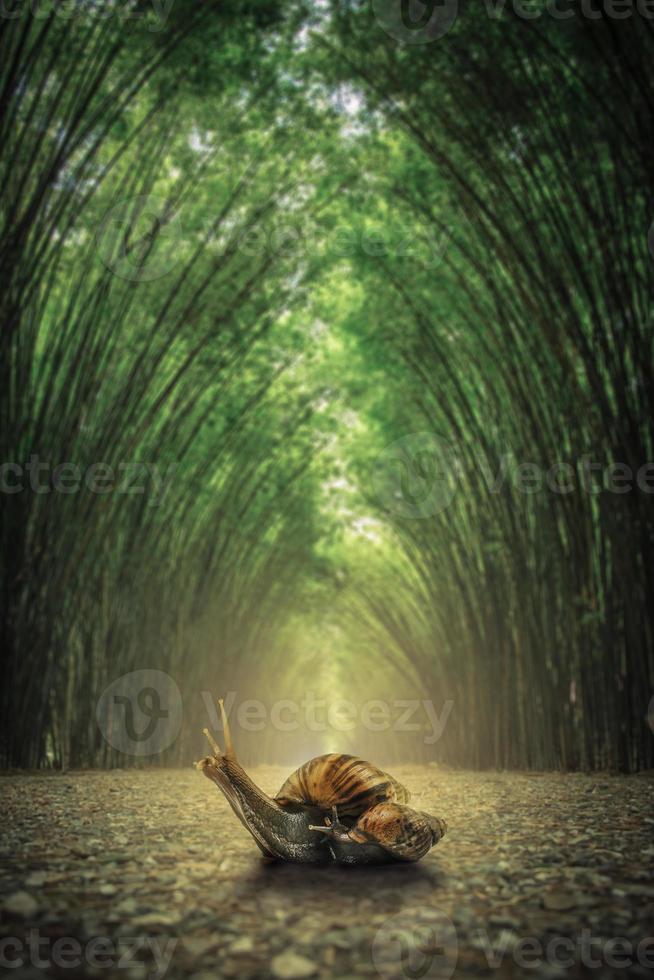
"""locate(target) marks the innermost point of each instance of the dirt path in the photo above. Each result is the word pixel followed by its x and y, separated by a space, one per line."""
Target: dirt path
pixel 149 874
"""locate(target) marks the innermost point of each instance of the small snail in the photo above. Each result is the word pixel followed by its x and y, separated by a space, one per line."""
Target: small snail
pixel 333 808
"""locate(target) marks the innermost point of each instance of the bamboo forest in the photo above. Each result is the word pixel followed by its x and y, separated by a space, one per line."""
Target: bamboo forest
pixel 326 390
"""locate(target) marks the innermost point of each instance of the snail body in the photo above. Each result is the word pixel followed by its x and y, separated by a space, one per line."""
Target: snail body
pixel 333 808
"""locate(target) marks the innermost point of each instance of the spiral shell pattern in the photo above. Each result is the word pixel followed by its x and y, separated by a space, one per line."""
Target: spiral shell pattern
pixel 344 781
pixel 403 832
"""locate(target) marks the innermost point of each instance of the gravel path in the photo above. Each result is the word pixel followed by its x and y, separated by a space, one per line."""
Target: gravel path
pixel 136 874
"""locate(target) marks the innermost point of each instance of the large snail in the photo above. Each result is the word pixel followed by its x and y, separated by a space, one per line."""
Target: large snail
pixel 333 808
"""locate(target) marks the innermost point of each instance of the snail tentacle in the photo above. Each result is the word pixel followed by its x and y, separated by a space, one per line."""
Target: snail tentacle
pixel 332 826
pixel 212 742
pixel 229 748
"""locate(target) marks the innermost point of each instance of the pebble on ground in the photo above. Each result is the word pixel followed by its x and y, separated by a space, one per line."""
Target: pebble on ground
pixel 147 873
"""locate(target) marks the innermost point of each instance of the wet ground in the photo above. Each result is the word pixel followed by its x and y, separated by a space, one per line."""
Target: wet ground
pixel 135 874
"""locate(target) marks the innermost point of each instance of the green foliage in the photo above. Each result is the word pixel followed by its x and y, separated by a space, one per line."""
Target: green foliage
pixel 259 246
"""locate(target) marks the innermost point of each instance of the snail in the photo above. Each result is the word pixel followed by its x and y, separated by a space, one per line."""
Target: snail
pixel 333 808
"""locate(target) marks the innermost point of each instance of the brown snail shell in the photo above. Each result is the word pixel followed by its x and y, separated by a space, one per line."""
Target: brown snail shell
pixel 344 781
pixel 405 833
